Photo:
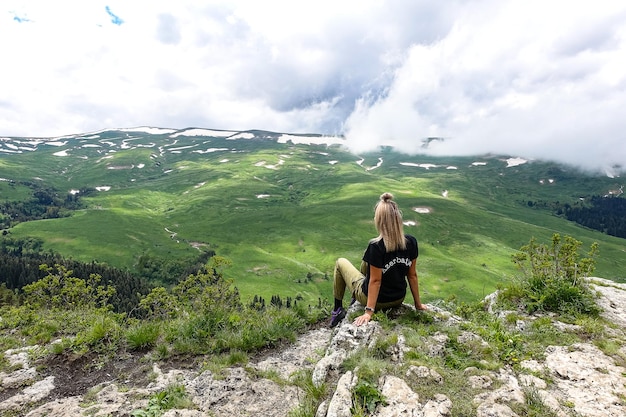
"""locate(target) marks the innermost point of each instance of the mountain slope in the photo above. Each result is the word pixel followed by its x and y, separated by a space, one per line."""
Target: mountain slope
pixel 284 207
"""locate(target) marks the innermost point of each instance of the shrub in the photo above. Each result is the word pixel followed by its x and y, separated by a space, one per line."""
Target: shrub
pixel 60 290
pixel 143 335
pixel 313 394
pixel 174 396
pixel 553 278
pixel 102 335
pixel 365 398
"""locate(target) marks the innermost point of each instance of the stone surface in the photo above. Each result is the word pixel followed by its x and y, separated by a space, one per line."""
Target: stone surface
pixel 341 401
pixel 578 379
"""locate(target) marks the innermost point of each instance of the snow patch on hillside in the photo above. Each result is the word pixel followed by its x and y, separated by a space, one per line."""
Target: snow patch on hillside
pixel 148 130
pixel 513 162
pixel 181 148
pixel 211 150
pixel 204 132
pixel 311 140
pixel 243 135
pixel 269 166
pixel 425 166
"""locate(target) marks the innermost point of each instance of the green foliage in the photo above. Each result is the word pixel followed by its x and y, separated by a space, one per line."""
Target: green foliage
pixel 533 406
pixel 366 366
pixel 554 278
pixel 42 331
pixel 60 304
pixel 169 271
pixel 204 293
pixel 202 314
pixel 21 261
pixel 287 243
pixel 541 333
pixel 7 296
pixel 365 398
pixel 103 334
pixel 159 304
pixel 174 396
pixel 59 290
pixel 382 346
pixel 143 335
pixel 460 356
pixel 507 343
pixel 207 292
pixel 44 203
pixel 313 394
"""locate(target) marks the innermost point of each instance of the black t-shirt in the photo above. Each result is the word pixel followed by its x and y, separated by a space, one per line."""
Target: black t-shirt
pixel 395 267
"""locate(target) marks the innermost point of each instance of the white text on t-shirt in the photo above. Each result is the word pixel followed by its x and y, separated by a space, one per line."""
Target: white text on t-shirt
pixel 405 261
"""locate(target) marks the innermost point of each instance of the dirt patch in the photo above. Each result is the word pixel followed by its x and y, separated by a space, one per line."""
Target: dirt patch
pixel 76 374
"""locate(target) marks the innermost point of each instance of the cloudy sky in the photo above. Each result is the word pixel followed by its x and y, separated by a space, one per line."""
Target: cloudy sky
pixel 529 78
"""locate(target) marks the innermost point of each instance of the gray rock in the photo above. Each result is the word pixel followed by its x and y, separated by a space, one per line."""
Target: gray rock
pixel 578 379
pixel 401 400
pixel 341 402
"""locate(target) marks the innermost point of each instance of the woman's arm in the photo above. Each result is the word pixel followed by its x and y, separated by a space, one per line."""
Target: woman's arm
pixel 414 285
pixel 373 288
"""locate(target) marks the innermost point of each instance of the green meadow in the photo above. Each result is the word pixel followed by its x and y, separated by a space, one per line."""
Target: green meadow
pixel 282 213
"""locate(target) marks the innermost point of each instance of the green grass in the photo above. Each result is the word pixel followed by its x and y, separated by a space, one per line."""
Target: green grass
pixel 314 212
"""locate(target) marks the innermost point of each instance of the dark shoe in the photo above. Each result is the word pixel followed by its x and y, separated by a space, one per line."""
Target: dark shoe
pixel 336 316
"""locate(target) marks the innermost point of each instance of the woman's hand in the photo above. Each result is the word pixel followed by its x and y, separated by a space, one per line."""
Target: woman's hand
pixel 420 306
pixel 363 319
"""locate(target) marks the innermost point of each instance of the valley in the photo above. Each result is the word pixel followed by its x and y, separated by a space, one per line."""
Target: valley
pixel 283 207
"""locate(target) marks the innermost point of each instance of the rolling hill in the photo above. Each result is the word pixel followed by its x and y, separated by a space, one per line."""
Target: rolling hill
pixel 283 207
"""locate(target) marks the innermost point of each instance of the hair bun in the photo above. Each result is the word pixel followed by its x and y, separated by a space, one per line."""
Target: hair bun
pixel 386 197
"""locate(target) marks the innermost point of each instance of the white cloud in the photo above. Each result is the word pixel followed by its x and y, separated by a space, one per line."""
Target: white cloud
pixel 526 78
pixel 516 79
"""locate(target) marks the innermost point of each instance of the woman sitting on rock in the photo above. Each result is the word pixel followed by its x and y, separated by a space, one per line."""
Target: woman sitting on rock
pixel 388 263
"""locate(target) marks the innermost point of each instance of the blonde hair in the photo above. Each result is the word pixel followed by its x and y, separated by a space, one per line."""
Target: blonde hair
pixel 388 221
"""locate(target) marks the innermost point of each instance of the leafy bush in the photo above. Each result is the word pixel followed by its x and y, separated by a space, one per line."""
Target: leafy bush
pixel 365 398
pixel 60 290
pixel 205 293
pixel 103 334
pixel 143 335
pixel 554 278
pixel 174 396
pixel 313 394
pixel 203 314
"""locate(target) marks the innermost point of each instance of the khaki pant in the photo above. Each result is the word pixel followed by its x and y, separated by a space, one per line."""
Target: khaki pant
pixel 347 276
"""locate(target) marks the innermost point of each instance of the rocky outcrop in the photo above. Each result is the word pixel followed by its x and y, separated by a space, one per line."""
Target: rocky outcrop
pixel 571 380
